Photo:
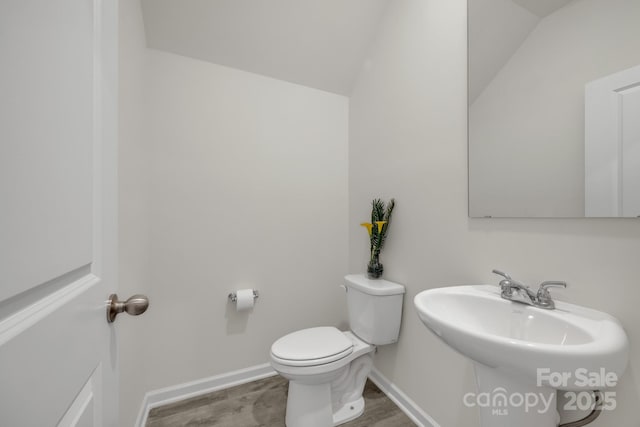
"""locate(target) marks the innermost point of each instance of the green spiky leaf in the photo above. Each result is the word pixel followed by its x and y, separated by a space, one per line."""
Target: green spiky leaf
pixel 380 213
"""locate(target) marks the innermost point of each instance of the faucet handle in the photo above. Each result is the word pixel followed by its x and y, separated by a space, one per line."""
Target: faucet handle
pixel 500 273
pixel 544 286
pixel 505 284
pixel 543 297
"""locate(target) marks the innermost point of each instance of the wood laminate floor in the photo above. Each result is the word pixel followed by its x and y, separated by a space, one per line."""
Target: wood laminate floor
pixel 262 404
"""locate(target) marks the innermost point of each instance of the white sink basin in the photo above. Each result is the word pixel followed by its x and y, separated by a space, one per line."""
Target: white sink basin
pixel 518 339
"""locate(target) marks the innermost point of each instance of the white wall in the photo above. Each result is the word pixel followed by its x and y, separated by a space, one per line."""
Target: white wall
pixel 408 141
pixel 528 124
pixel 228 180
pixel 249 190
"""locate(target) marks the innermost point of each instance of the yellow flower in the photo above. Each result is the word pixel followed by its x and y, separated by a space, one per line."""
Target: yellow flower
pixel 380 224
pixel 368 226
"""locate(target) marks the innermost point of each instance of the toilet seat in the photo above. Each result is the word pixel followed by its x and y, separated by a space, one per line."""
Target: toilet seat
pixel 311 347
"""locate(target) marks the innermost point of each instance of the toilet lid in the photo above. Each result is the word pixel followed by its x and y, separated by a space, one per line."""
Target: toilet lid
pixel 312 346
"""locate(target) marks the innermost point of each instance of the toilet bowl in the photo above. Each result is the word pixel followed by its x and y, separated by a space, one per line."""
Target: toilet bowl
pixel 327 370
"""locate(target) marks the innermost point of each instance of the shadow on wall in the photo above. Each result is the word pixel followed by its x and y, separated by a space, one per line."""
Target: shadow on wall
pixel 237 321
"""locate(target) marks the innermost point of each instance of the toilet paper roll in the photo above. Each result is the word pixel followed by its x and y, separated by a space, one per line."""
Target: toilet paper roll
pixel 244 299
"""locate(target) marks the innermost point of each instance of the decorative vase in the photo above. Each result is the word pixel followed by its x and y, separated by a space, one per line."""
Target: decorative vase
pixel 374 268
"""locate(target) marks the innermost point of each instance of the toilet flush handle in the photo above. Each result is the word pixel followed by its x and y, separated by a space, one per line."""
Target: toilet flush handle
pixel 345 288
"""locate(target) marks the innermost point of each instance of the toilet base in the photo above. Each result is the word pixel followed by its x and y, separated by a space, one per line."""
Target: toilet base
pixel 349 412
pixel 309 405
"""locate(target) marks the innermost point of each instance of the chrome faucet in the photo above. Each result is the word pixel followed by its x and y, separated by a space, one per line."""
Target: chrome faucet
pixel 515 291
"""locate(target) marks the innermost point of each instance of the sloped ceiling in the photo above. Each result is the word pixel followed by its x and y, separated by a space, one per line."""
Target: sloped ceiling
pixel 497 28
pixel 542 8
pixel 316 43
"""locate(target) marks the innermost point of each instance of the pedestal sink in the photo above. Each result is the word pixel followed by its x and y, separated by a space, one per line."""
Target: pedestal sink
pixel 522 354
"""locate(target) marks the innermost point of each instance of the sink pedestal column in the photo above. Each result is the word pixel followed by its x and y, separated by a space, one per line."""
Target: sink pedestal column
pixel 507 400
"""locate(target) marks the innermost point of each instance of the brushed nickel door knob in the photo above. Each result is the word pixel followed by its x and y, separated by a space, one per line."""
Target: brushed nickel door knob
pixel 134 306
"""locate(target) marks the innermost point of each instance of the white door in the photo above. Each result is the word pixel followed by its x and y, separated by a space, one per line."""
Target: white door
pixel 612 145
pixel 58 87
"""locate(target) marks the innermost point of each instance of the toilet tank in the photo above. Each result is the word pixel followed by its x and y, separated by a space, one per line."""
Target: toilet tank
pixel 375 308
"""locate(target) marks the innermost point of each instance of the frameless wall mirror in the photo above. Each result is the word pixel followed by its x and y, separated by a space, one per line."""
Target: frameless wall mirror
pixel 554 108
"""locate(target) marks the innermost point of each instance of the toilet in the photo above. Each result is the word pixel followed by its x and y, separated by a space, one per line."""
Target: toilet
pixel 327 368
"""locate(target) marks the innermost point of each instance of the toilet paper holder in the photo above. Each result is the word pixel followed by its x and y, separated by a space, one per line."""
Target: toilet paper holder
pixel 233 297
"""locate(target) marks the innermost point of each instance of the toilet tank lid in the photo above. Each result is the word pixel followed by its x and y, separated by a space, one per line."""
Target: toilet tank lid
pixel 373 286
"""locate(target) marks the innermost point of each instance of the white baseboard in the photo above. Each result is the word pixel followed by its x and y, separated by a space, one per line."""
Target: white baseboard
pixel 167 395
pixel 408 406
